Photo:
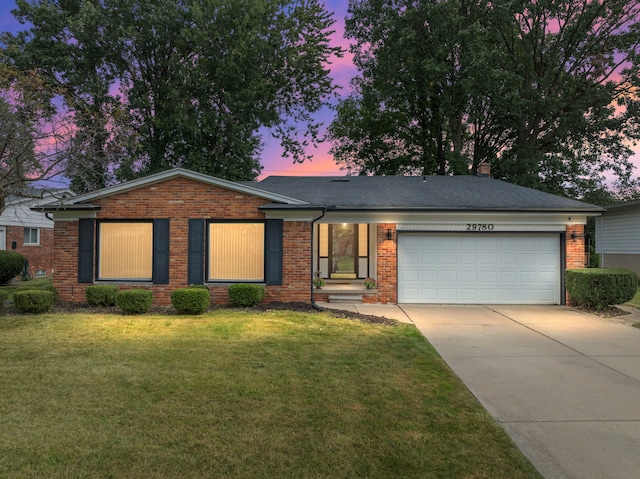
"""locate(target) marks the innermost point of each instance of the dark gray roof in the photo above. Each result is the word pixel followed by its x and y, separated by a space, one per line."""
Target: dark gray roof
pixel 417 192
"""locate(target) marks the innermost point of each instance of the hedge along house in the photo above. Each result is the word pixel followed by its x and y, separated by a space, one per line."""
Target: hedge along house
pixel 433 239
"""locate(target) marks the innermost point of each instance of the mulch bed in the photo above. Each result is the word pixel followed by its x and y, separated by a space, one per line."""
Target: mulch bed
pixel 168 310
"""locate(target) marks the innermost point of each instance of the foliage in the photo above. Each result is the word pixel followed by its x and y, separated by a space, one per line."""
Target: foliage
pixel 545 91
pixel 101 295
pixel 33 301
pixel 3 297
pixel 190 300
pixel 600 288
pixel 318 282
pixel 134 301
pixel 41 287
pixel 370 283
pixel 246 295
pixel 167 84
pixel 32 138
pixel 594 258
pixel 11 265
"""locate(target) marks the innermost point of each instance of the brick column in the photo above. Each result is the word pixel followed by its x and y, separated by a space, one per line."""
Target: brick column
pixel 387 264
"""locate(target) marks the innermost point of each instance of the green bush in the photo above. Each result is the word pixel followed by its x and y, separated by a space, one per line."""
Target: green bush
pixel 11 265
pixel 599 288
pixel 134 301
pixel 33 301
pixel 246 295
pixel 3 297
pixel 54 290
pixel 101 295
pixel 190 300
pixel 201 286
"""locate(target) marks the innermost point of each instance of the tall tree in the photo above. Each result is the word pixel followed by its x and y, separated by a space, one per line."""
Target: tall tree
pixel 545 90
pixel 167 83
pixel 32 139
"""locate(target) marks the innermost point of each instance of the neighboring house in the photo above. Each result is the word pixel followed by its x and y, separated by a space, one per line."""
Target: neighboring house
pixel 618 237
pixel 433 239
pixel 28 232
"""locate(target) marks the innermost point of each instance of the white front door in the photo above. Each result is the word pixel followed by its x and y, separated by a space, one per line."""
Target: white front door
pixel 3 238
pixel 479 268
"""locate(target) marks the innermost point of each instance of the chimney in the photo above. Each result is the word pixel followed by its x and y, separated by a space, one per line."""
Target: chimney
pixel 484 169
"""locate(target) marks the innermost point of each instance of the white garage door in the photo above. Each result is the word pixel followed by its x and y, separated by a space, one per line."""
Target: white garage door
pixel 479 268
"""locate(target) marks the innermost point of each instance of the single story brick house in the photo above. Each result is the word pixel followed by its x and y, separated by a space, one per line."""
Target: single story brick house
pixel 431 239
pixel 618 236
pixel 29 232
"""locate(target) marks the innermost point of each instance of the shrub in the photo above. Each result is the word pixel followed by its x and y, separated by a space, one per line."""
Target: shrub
pixel 11 265
pixel 134 301
pixel 101 295
pixel 41 287
pixel 3 297
pixel 246 295
pixel 190 300
pixel 600 288
pixel 33 301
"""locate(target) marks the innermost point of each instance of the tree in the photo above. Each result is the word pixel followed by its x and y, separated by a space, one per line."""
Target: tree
pixel 544 90
pixel 170 83
pixel 32 139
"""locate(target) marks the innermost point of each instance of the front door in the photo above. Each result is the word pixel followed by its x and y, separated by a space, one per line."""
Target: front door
pixel 343 250
pixel 3 238
pixel 342 259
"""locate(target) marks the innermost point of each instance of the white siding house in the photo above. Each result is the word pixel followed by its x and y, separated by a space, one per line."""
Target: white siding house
pixel 618 237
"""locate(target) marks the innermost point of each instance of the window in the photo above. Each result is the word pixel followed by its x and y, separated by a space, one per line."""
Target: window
pixel 236 252
pixel 125 250
pixel 32 236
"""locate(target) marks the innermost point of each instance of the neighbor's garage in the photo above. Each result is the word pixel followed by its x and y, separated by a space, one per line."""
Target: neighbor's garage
pixel 477 268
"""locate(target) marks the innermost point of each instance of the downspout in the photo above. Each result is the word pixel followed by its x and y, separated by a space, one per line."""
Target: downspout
pixel 313 295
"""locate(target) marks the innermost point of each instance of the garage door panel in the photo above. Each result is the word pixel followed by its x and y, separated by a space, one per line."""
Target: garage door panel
pixel 479 268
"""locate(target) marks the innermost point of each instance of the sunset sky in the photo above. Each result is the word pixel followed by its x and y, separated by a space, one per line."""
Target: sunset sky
pixel 342 71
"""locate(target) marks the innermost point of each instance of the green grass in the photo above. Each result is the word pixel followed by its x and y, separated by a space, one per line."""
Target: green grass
pixel 635 302
pixel 40 283
pixel 234 394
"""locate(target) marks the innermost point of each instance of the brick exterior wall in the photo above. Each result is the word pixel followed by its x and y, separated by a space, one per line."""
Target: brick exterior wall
pixel 575 253
pixel 387 265
pixel 40 256
pixel 180 199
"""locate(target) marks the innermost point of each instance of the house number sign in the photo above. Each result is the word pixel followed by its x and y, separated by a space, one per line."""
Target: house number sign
pixel 479 226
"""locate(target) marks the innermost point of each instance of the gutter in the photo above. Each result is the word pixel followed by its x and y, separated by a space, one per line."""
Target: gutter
pixel 313 298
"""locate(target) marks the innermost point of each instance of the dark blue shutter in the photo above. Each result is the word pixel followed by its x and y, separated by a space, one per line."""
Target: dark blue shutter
pixel 195 262
pixel 273 252
pixel 85 250
pixel 160 251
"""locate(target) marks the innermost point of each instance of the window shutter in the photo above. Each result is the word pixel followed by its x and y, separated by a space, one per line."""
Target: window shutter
pixel 85 250
pixel 195 273
pixel 160 251
pixel 273 252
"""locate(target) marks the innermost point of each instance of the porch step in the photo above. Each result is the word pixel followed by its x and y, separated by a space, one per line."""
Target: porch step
pixel 344 298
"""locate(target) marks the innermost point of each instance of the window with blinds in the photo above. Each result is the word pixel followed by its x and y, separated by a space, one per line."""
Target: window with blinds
pixel 236 252
pixel 125 251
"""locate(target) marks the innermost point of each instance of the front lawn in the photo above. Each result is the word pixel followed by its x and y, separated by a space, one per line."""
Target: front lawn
pixel 635 302
pixel 40 283
pixel 235 394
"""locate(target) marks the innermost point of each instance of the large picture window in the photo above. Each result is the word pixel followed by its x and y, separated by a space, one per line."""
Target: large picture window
pixel 236 252
pixel 125 250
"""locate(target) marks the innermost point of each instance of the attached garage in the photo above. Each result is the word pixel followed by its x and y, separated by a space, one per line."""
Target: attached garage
pixel 479 268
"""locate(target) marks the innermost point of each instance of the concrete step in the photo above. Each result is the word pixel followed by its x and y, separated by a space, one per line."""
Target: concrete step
pixel 345 298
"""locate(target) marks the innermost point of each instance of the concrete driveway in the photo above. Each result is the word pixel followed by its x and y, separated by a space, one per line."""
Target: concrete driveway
pixel 565 385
